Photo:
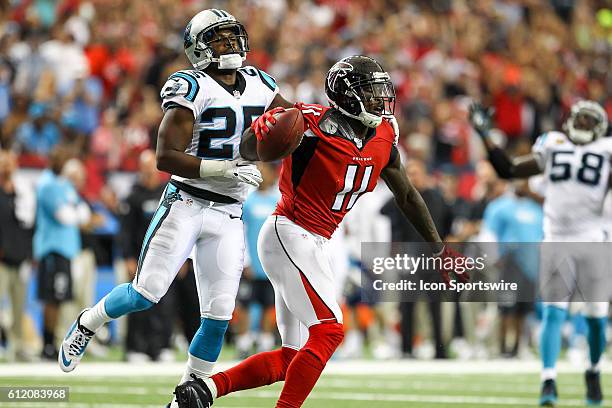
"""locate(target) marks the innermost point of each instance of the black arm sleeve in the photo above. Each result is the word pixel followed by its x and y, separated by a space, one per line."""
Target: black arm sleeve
pixel 501 163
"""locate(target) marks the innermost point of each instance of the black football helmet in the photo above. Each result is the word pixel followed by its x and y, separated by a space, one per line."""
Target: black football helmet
pixel 361 89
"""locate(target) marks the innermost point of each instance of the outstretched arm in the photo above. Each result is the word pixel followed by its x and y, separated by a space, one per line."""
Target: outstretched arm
pixel 414 209
pixel 410 201
pixel 506 167
pixel 248 145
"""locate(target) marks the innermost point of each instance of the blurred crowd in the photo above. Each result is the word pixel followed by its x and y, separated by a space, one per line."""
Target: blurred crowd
pixel 85 75
pixel 88 73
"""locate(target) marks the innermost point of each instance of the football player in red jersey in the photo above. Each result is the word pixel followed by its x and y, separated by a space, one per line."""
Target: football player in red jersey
pixel 345 148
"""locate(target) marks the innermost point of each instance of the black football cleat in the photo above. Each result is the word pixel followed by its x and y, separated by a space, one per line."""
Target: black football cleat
pixel 548 396
pixel 193 394
pixel 594 396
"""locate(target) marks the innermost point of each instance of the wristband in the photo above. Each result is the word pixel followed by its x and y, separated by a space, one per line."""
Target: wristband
pixel 210 168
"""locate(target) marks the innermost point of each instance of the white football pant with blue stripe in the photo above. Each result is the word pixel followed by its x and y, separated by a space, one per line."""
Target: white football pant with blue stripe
pixel 181 222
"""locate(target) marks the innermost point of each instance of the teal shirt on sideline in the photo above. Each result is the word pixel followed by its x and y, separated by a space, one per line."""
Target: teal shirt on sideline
pixel 517 223
pixel 258 206
pixel 53 192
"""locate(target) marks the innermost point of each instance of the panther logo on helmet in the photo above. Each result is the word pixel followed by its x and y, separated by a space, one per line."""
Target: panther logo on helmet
pixel 187 36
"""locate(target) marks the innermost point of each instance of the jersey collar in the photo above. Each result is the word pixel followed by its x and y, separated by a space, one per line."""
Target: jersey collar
pixel 237 89
pixel 334 123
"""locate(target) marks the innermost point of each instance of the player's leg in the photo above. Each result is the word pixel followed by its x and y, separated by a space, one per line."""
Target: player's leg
pixel 593 286
pixel 557 282
pixel 299 305
pixel 267 367
pixel 597 320
pixel 305 280
pixel 161 257
pixel 263 368
pixel 554 315
pixel 218 267
pixel 264 294
pixel 54 288
pixel 243 318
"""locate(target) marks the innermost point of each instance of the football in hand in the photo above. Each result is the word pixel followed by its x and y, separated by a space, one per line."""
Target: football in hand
pixel 284 136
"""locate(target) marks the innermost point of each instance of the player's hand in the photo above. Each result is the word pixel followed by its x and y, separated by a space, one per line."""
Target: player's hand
pixel 260 125
pixel 243 170
pixel 481 118
pixel 450 257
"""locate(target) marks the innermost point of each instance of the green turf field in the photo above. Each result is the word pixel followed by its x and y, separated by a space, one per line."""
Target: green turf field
pixel 341 391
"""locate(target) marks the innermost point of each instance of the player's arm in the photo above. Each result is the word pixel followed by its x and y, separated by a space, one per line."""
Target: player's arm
pixel 506 167
pixel 280 101
pixel 413 207
pixel 409 200
pixel 175 133
pixel 248 145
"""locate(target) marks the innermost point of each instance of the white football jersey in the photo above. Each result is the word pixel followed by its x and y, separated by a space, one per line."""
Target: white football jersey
pixel 221 115
pixel 576 183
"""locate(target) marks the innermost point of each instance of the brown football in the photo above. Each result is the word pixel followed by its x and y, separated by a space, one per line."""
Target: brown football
pixel 284 136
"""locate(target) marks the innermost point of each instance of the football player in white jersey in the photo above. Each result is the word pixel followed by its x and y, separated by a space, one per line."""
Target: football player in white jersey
pixel 206 110
pixel 576 165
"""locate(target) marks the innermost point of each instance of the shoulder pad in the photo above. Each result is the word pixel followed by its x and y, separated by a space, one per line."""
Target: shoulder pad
pixel 267 79
pixel 182 83
pixel 334 124
pixel 555 137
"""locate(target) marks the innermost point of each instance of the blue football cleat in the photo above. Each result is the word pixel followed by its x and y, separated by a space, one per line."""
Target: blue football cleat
pixel 548 397
pixel 73 346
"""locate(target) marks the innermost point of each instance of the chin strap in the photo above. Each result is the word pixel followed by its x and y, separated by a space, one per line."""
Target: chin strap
pixel 367 119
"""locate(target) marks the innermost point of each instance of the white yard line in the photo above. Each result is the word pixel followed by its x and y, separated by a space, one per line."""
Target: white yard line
pixel 434 399
pixel 474 400
pixel 399 367
pixel 408 385
pixel 399 388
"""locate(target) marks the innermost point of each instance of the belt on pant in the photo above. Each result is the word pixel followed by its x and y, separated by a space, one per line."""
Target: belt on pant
pixel 203 194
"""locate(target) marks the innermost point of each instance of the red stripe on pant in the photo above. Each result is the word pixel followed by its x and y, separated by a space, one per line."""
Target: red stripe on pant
pixel 323 312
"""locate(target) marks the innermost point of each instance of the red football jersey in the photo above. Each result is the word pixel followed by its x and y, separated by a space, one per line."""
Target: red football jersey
pixel 323 178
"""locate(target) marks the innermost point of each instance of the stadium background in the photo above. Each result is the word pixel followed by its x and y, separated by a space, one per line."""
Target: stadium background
pixel 88 74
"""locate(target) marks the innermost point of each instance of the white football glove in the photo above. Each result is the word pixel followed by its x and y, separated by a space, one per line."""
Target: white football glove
pixel 239 169
pixel 245 171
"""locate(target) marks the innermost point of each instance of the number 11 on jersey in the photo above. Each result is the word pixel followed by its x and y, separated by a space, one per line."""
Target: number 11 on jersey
pixel 352 171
